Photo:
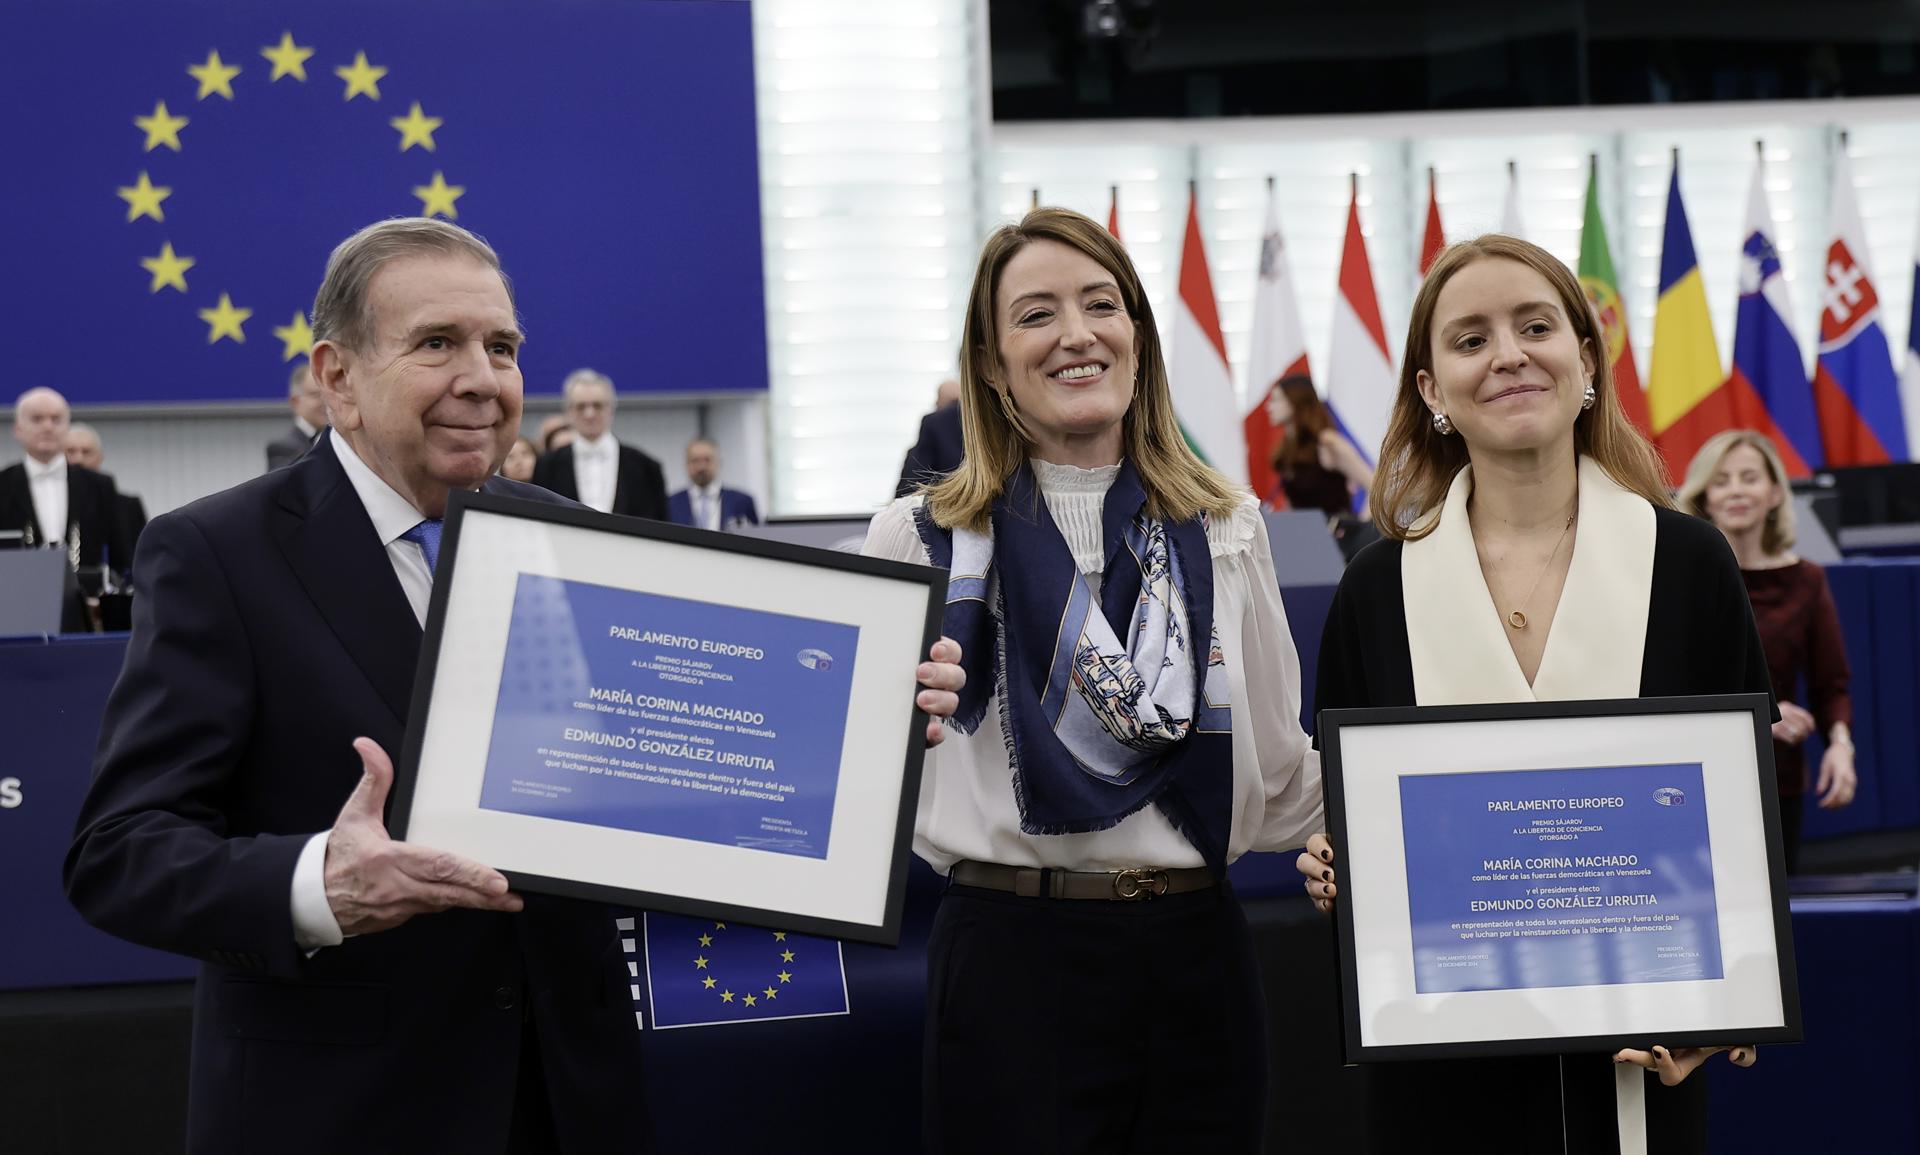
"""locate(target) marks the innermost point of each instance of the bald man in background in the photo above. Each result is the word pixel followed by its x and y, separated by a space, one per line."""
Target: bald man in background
pixel 52 502
pixel 309 418
pixel 84 448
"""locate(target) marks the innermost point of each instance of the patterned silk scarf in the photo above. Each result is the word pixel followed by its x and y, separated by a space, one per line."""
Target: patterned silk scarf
pixel 1107 703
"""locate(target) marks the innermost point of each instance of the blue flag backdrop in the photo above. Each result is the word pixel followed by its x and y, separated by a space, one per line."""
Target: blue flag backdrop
pixel 701 973
pixel 178 171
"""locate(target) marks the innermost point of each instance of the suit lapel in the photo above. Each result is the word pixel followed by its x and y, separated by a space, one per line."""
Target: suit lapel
pixel 329 542
pixel 1453 630
pixel 620 479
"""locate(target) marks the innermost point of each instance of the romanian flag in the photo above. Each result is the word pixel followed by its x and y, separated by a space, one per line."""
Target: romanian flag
pixel 1603 293
pixel 1687 398
pixel 1432 238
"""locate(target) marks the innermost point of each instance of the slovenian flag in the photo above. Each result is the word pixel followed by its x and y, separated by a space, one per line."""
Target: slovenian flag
pixel 1687 398
pixel 1769 380
pixel 1278 349
pixel 1853 384
pixel 1203 394
pixel 1360 382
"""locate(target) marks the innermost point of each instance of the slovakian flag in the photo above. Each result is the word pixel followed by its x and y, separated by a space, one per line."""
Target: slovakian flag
pixel 1278 349
pixel 1360 382
pixel 1687 398
pixel 1603 293
pixel 1432 238
pixel 1854 388
pixel 1768 382
pixel 1203 396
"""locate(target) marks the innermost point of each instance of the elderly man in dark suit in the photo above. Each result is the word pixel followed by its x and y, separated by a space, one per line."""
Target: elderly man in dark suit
pixel 52 502
pixel 83 447
pixel 355 993
pixel 597 470
pixel 309 418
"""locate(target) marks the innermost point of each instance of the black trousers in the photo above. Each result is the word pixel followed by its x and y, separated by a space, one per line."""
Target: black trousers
pixel 1125 1028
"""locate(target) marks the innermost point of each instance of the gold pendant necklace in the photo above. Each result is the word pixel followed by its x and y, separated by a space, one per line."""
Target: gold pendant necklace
pixel 1518 618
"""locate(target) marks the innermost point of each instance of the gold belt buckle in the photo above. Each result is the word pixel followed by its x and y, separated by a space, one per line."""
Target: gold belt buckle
pixel 1136 885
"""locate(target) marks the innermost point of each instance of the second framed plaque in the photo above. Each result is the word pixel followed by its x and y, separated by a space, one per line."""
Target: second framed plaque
pixel 666 718
pixel 1558 877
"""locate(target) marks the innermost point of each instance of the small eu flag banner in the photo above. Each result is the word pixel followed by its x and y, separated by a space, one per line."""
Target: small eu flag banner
pixel 692 972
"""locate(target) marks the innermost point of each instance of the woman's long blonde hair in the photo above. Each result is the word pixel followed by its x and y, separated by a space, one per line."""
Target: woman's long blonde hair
pixel 1777 535
pixel 1418 463
pixel 1179 485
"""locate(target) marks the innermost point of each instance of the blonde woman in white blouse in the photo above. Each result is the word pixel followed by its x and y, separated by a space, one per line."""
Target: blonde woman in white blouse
pixel 1130 726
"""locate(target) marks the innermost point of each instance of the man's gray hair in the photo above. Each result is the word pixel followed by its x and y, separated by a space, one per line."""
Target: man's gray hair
pixel 581 377
pixel 296 380
pixel 340 308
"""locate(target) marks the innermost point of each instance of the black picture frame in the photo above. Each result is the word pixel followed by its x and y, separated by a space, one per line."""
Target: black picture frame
pixel 1349 782
pixel 882 758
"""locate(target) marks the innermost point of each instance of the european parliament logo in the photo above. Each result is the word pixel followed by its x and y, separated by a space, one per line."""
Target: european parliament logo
pixel 690 972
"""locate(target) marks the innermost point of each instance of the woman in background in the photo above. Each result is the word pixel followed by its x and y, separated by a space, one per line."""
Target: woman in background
pixel 519 463
pixel 1318 467
pixel 1737 482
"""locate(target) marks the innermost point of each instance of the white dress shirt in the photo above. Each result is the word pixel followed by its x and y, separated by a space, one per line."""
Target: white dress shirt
pixel 596 471
pixel 313 923
pixel 48 484
pixel 704 503
pixel 967 807
pixel 307 428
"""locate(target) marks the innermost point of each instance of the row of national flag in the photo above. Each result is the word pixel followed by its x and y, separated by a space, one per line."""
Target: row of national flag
pixel 1849 413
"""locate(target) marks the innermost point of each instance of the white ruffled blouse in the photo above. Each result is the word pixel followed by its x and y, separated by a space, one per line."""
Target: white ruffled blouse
pixel 967 807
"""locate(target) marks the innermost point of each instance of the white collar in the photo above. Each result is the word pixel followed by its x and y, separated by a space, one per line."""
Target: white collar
pixel 600 447
pixel 711 489
pixel 55 468
pixel 307 428
pixel 392 514
pixel 1595 643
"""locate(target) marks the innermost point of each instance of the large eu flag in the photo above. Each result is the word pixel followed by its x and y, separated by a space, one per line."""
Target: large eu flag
pixel 691 972
pixel 178 170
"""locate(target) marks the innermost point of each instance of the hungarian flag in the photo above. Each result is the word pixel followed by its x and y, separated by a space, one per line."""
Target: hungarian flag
pixel 1769 380
pixel 1360 381
pixel 1278 349
pixel 1603 293
pixel 1203 396
pixel 1853 383
pixel 1432 238
pixel 1687 397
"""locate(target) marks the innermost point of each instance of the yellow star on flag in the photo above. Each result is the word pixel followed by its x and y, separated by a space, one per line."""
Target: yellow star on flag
pixel 726 996
pixel 225 320
pixel 161 128
pixel 168 269
pixel 786 956
pixel 416 127
pixel 437 199
pixel 362 79
pixel 143 199
pixel 784 977
pixel 750 1000
pixel 700 963
pixel 717 925
pixel 214 76
pixel 779 936
pixel 289 59
pixel 706 940
pixel 707 982
pixel 771 993
pixel 296 338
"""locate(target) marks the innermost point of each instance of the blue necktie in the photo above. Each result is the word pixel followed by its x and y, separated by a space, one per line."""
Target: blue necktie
pixel 426 535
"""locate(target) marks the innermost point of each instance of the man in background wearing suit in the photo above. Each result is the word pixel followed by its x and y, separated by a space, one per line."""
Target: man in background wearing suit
pixel 596 470
pixel 53 502
pixel 309 418
pixel 355 993
pixel 940 446
pixel 705 504
pixel 83 447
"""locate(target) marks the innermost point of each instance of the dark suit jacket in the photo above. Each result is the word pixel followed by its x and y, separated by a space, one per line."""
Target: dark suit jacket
pixel 133 520
pixel 735 507
pixel 92 503
pixel 937 452
pixel 269 632
pixel 289 447
pixel 639 489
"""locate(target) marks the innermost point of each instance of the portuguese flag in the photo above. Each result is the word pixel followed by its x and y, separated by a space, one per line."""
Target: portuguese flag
pixel 1603 291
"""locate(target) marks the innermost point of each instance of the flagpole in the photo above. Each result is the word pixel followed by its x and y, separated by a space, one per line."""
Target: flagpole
pixel 1034 203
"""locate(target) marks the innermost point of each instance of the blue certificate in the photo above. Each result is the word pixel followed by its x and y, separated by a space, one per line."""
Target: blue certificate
pixel 670 716
pixel 1587 876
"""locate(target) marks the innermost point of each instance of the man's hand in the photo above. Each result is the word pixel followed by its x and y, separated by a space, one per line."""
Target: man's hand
pixel 940 681
pixel 374 883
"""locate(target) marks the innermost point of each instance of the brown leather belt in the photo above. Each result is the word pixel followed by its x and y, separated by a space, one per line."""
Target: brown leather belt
pixel 1135 884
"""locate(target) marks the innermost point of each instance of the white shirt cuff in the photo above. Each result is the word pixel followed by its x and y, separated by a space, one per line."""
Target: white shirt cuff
pixel 313 923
